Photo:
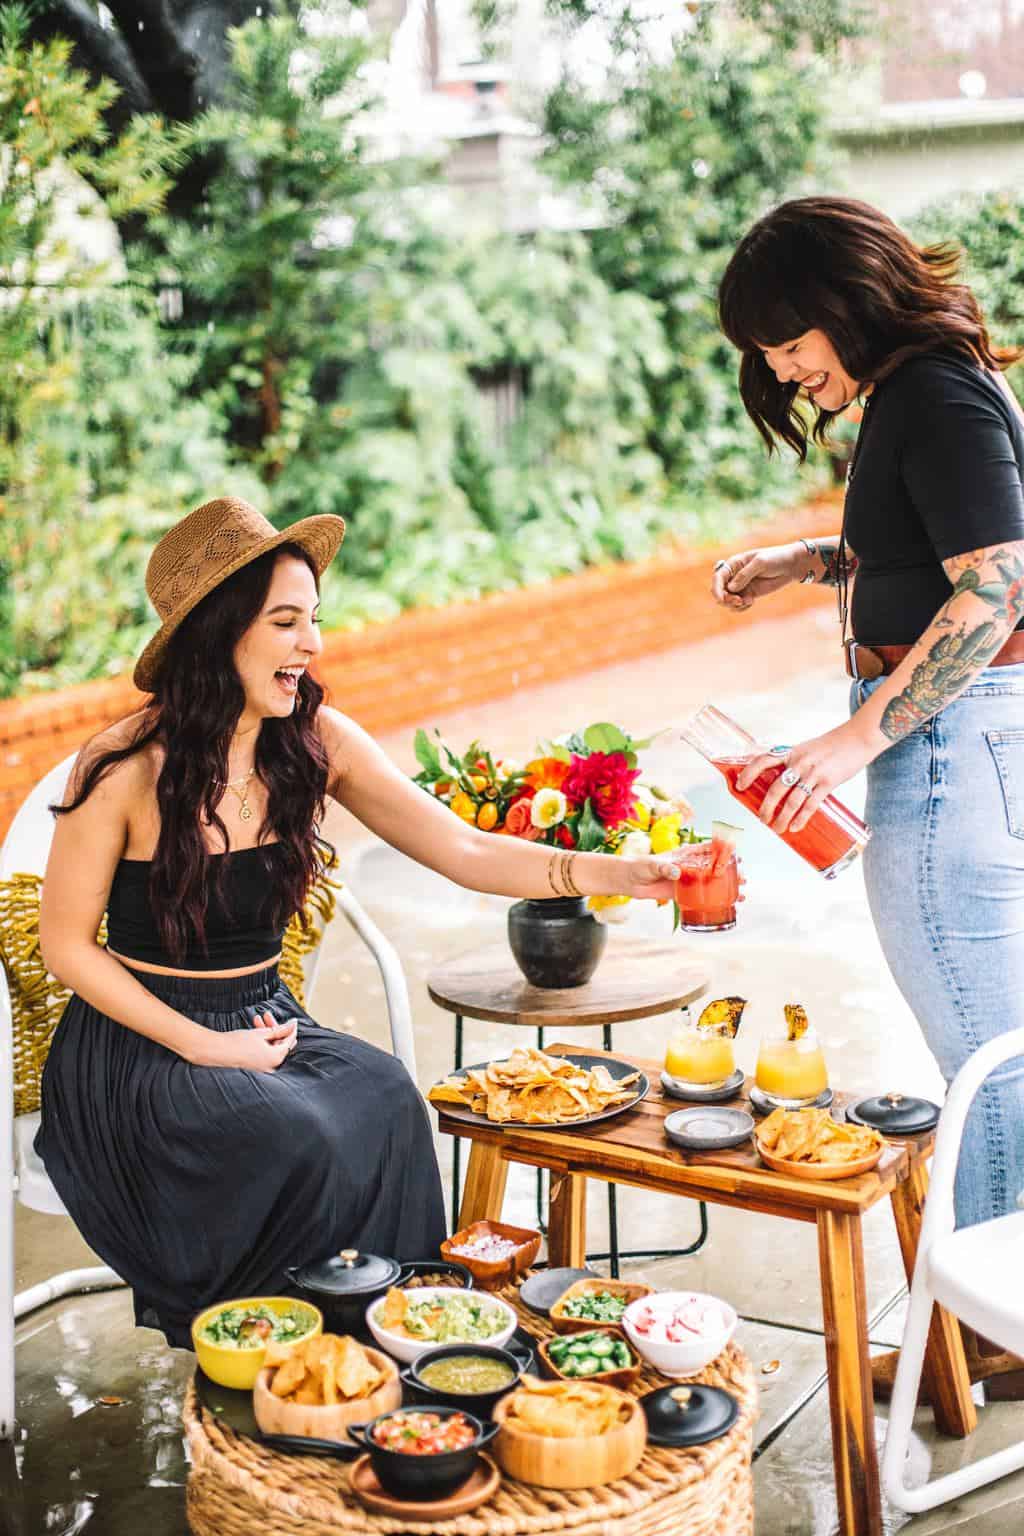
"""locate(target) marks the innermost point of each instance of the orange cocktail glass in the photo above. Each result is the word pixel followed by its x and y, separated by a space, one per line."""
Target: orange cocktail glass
pixel 791 1073
pixel 708 887
pixel 698 1056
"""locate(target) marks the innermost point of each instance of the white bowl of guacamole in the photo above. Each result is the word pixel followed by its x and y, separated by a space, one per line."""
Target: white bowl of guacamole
pixel 441 1315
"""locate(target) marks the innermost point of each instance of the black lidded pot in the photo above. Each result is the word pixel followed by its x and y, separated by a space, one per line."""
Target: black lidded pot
pixel 555 942
pixel 344 1285
pixel 408 1476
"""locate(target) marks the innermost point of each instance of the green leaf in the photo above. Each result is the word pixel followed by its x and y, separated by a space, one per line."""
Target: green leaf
pixel 591 834
pixel 993 593
pixel 968 581
pixel 426 754
pixel 605 737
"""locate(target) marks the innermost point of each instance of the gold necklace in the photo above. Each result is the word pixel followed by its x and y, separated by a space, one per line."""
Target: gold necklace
pixel 242 795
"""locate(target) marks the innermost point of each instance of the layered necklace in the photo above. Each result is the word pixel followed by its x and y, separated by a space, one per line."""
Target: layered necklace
pixel 241 794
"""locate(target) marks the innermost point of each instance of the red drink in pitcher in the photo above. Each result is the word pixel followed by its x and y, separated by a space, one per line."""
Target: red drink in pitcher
pixel 833 837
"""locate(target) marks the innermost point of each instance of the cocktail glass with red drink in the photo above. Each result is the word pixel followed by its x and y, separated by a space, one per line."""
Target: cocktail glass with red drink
pixel 708 885
pixel 832 839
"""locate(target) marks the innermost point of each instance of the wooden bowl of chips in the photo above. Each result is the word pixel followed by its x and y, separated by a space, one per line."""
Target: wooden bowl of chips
pixel 627 1290
pixel 809 1144
pixel 568 1434
pixel 324 1385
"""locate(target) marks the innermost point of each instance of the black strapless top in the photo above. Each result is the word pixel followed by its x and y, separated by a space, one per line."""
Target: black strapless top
pixel 238 931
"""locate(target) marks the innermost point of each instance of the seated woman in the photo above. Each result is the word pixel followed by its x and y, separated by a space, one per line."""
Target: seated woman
pixel 203 1131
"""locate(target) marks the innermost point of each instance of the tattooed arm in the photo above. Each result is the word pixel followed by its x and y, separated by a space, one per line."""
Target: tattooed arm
pixel 824 566
pixel 987 602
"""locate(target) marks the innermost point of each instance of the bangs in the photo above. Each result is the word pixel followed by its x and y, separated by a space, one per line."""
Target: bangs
pixel 756 311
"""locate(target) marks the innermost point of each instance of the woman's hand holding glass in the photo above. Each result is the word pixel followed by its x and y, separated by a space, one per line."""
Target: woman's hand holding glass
pixel 261 1048
pixel 741 579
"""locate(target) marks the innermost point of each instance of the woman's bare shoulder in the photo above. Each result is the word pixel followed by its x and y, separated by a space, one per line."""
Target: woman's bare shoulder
pixel 130 776
pixel 343 741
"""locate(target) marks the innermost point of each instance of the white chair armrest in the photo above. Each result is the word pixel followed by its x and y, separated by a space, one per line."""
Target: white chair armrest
pixel 396 992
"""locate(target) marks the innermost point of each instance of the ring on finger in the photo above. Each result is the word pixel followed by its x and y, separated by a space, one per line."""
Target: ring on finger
pixel 779 751
pixel 723 565
pixel 806 789
pixel 789 778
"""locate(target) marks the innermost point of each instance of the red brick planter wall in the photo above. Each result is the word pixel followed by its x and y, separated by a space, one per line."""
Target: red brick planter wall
pixel 433 660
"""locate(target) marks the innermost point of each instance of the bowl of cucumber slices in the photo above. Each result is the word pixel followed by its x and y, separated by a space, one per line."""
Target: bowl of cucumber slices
pixel 595 1356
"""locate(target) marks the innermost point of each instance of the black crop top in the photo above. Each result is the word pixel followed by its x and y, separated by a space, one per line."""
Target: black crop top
pixel 240 936
pixel 938 473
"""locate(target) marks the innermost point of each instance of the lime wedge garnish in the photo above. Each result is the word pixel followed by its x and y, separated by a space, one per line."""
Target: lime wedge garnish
pixel 726 833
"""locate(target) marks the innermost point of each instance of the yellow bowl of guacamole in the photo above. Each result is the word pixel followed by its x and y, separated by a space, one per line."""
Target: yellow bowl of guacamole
pixel 230 1339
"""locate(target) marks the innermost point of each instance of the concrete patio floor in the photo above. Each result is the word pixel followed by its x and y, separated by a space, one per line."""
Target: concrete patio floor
pixel 77 1466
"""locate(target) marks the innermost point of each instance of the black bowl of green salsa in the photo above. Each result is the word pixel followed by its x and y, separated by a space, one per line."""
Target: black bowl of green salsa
pixel 467 1376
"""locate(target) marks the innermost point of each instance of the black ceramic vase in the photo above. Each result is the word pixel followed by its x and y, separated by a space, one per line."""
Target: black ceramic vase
pixel 557 942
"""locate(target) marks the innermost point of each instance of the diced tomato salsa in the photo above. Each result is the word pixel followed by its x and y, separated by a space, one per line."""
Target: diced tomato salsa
pixel 425 1434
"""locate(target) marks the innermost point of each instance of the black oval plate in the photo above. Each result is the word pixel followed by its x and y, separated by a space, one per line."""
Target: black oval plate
pixel 542 1290
pixel 616 1069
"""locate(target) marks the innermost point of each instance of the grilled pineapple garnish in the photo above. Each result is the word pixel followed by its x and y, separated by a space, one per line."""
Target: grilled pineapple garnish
pixel 722 1017
pixel 796 1021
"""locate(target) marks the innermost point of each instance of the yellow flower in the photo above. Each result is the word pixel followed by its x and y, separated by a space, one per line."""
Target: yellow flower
pixel 608 909
pixel 665 833
pixel 548 808
pixel 463 805
pixel 642 814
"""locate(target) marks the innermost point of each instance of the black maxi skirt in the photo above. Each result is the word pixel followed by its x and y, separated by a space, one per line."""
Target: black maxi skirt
pixel 198 1184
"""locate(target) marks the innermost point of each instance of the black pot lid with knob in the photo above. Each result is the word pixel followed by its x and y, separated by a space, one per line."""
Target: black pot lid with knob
pixel 895 1114
pixel 348 1274
pixel 688 1415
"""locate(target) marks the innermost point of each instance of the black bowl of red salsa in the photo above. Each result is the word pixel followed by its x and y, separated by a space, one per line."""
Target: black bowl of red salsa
pixel 423 1453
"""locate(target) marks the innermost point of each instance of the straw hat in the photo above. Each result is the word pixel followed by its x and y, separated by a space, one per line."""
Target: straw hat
pixel 206 548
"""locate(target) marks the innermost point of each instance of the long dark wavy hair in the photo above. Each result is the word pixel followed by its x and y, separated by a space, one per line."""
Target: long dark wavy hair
pixel 195 707
pixel 840 266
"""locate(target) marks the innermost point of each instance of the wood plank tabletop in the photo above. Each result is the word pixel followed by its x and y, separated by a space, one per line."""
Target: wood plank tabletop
pixel 636 979
pixel 632 1148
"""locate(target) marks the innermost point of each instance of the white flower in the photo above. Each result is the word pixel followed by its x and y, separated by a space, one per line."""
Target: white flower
pixel 548 808
pixel 634 845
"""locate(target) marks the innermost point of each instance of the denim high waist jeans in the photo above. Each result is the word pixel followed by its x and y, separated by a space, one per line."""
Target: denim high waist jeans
pixel 945 881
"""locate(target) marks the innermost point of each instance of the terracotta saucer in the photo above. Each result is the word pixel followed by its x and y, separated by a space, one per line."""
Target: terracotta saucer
pixel 481 1485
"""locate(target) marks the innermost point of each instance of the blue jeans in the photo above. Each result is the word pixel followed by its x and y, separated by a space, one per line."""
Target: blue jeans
pixel 945 881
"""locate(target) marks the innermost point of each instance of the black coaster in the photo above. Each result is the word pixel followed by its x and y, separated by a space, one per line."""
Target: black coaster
pixel 693 1094
pixel 763 1106
pixel 542 1290
pixel 681 1416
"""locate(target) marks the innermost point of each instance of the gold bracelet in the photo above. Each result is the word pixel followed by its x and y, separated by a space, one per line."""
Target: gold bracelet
pixel 570 883
pixel 551 876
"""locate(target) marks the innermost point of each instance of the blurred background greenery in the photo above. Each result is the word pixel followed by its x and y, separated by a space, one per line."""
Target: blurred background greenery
pixel 446 267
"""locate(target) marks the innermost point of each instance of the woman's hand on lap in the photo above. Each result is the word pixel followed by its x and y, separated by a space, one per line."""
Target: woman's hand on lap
pixel 260 1048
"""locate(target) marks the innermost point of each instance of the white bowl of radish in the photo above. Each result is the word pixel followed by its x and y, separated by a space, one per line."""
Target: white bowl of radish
pixel 679 1332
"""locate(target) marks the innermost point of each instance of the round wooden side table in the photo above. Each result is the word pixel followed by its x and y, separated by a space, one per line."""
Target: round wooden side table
pixel 636 979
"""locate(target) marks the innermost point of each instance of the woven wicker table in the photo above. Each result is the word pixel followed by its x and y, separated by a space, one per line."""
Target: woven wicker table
pixel 238 1487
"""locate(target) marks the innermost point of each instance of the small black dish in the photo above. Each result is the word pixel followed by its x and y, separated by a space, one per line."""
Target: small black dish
pixel 895 1114
pixel 235 1409
pixel 422 1477
pixel 479 1404
pixel 436 1267
pixel 681 1416
pixel 542 1290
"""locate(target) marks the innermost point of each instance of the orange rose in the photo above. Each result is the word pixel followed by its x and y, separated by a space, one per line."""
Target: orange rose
pixel 517 821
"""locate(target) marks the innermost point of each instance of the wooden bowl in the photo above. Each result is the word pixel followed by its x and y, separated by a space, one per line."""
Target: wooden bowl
pixel 620 1377
pixel 629 1290
pixel 279 1416
pixel 818 1171
pixel 490 1274
pixel 583 1461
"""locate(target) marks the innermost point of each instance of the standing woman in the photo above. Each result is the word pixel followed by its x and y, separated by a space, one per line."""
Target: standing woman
pixel 829 302
pixel 203 1131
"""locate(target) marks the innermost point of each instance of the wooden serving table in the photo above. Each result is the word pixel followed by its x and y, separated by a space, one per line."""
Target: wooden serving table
pixel 633 1149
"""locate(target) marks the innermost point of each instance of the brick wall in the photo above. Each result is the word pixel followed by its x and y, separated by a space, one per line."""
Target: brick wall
pixel 431 660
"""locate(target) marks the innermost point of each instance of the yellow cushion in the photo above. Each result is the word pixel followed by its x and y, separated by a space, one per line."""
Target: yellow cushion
pixel 38 999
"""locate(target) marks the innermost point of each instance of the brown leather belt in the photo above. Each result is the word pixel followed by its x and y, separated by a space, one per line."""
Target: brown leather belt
pixel 866 662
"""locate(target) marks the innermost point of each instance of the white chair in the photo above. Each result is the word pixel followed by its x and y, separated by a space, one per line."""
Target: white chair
pixel 22 1174
pixel 977 1273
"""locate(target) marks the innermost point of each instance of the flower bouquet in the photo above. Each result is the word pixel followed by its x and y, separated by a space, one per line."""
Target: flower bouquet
pixel 583 792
